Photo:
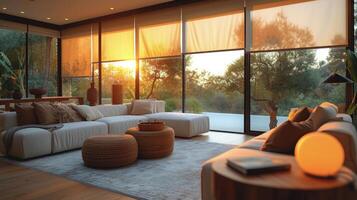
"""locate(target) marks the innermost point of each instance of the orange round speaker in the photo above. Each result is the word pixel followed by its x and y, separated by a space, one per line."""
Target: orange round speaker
pixel 319 154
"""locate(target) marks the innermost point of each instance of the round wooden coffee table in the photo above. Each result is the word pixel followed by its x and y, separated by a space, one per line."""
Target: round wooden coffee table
pixel 153 144
pixel 292 185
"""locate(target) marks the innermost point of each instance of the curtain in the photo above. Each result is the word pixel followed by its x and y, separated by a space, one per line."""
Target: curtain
pixel 79 50
pixel 118 39
pixel 159 33
pixel 44 31
pixel 12 26
pixel 213 25
pixel 288 24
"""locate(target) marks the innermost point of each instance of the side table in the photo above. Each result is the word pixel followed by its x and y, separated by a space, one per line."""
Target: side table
pixel 292 185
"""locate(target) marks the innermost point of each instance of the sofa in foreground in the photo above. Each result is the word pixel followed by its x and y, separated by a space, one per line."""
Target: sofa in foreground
pixel 337 125
pixel 115 119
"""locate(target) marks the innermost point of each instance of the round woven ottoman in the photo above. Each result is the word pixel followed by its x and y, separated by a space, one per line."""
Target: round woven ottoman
pixel 153 144
pixel 109 151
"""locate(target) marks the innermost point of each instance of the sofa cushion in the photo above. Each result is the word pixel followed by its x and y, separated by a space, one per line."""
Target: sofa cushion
pixel 301 114
pixel 184 124
pixel 346 133
pixel 112 110
pixel 25 114
pixel 72 135
pixel 29 143
pixel 7 120
pixel 89 113
pixel 142 106
pixel 284 137
pixel 120 124
pixel 321 115
pixel 46 113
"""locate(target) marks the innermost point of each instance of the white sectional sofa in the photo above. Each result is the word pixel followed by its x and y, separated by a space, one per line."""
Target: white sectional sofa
pixel 34 142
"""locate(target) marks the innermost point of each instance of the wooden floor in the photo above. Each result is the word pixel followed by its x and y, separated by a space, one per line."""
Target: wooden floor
pixel 17 182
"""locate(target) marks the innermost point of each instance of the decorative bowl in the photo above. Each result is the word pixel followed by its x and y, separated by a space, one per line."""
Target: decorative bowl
pixel 38 92
pixel 151 126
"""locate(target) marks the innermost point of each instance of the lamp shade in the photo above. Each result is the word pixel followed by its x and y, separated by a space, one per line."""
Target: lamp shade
pixel 336 78
pixel 319 154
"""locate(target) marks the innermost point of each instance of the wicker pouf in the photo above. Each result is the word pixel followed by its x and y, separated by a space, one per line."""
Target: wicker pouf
pixel 109 151
pixel 153 144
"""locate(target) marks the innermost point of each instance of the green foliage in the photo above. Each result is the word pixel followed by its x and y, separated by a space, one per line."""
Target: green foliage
pixel 193 105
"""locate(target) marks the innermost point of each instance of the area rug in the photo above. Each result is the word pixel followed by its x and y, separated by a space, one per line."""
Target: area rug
pixel 173 177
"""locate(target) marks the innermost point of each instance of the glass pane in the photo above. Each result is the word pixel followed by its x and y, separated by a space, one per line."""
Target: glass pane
pixel 122 72
pixel 162 79
pixel 12 62
pixel 295 24
pixel 287 79
pixel 43 63
pixel 214 87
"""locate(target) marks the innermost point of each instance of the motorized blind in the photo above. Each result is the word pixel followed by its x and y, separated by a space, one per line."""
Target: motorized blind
pixel 79 50
pixel 12 25
pixel 159 33
pixel 118 39
pixel 44 31
pixel 214 25
pixel 290 24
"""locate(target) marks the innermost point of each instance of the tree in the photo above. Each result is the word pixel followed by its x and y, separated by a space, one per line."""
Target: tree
pixel 276 77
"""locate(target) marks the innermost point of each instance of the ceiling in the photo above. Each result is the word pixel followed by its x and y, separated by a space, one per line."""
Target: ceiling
pixel 62 12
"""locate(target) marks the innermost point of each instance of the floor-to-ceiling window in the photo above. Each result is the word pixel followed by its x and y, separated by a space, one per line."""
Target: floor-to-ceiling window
pixel 118 58
pixel 79 59
pixel 287 66
pixel 41 66
pixel 159 50
pixel 12 59
pixel 42 52
pixel 214 57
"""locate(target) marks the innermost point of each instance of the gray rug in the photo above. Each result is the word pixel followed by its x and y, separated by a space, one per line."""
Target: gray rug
pixel 173 177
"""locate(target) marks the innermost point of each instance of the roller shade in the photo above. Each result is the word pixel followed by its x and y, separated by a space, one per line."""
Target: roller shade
pixel 44 31
pixel 159 33
pixel 12 25
pixel 118 39
pixel 79 50
pixel 213 25
pixel 292 24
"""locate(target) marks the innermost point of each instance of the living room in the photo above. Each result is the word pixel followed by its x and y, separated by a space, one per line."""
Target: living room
pixel 185 99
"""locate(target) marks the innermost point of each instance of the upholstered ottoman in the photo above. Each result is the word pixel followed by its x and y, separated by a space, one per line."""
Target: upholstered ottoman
pixel 153 144
pixel 185 124
pixel 109 151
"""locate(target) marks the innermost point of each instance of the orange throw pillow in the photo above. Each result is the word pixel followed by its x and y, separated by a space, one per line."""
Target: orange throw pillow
pixel 301 114
pixel 284 137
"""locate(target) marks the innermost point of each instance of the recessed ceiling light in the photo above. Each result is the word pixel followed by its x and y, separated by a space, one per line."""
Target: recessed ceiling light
pixel 66 19
pixel 4 8
pixel 48 18
pixel 22 12
pixel 111 8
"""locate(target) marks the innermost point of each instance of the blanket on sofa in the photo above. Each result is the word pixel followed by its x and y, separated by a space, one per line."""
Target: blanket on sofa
pixel 9 134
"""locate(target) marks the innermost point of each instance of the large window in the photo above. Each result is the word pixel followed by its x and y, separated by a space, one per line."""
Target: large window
pixel 12 62
pixel 43 63
pixel 287 79
pixel 161 78
pixel 215 87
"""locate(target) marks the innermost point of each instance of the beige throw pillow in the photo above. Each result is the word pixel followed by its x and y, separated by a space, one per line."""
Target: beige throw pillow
pixel 322 114
pixel 141 107
pixel 88 113
pixel 67 113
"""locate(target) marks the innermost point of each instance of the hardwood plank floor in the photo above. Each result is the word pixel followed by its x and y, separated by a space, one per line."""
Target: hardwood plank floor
pixel 17 182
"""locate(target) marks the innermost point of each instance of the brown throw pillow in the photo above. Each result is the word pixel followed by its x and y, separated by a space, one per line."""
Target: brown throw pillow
pixel 301 114
pixel 46 113
pixel 25 114
pixel 284 137
pixel 66 113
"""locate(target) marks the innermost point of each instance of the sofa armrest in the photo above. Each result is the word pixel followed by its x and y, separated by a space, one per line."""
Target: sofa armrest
pixel 7 120
pixel 346 134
